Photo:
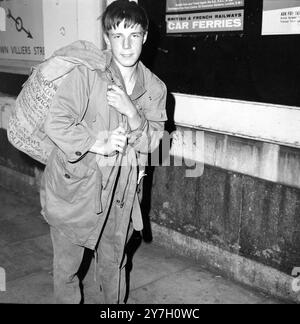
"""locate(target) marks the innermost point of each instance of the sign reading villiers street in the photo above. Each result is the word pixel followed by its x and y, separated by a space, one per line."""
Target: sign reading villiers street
pixel 22 38
pixel 232 20
pixel 192 5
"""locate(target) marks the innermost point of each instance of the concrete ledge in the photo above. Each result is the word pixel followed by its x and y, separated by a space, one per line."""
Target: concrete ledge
pixel 264 122
pixel 271 162
pixel 245 271
pixel 262 160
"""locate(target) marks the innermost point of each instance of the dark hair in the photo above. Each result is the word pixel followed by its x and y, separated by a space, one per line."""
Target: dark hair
pixel 120 10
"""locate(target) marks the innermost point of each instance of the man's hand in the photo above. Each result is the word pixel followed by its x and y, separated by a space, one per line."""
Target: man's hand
pixel 119 99
pixel 116 142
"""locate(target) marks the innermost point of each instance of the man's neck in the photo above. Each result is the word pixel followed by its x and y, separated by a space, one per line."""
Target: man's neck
pixel 129 75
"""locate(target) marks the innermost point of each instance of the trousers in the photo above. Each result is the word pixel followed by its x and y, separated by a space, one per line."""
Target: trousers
pixel 110 270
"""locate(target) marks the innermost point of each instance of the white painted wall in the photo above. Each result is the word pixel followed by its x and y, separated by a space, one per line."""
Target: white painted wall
pixel 263 122
pixel 66 21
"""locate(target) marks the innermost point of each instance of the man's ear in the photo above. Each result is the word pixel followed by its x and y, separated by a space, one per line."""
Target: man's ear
pixel 107 41
pixel 145 37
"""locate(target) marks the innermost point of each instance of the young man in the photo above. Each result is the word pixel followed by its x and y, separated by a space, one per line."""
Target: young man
pixel 103 124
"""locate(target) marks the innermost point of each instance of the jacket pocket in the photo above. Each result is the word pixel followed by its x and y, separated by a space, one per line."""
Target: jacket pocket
pixel 68 180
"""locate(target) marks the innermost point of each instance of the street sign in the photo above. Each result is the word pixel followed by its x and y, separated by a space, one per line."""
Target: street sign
pixel 34 29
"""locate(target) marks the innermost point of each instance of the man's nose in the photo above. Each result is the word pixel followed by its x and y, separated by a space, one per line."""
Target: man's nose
pixel 127 43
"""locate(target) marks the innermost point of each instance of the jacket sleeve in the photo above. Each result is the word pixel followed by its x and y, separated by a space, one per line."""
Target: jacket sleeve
pixel 147 137
pixel 64 123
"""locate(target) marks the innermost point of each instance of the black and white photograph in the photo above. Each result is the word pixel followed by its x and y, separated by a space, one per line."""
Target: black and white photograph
pixel 149 155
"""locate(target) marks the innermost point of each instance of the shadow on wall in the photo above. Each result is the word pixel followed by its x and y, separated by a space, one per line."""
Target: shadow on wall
pixel 147 184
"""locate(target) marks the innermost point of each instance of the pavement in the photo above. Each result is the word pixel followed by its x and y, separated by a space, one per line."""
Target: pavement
pixel 157 275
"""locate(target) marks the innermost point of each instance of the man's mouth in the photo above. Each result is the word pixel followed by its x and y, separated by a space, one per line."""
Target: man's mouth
pixel 126 55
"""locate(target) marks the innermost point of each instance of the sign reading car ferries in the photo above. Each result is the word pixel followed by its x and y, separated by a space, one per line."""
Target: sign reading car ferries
pixel 206 22
pixel 200 17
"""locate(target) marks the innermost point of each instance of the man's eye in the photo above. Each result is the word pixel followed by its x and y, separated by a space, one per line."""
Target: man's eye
pixel 136 35
pixel 116 36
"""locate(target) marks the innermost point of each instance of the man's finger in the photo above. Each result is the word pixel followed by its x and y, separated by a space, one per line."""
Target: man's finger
pixel 111 96
pixel 120 132
pixel 112 93
pixel 120 139
pixel 114 87
pixel 121 129
pixel 119 146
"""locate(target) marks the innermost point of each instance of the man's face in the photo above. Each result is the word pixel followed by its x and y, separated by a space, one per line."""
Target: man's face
pixel 126 43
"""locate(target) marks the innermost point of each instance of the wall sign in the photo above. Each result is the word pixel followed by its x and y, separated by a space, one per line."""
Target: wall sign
pixel 206 22
pixel 188 5
pixel 191 16
pixel 281 17
pixel 34 29
pixel 23 35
